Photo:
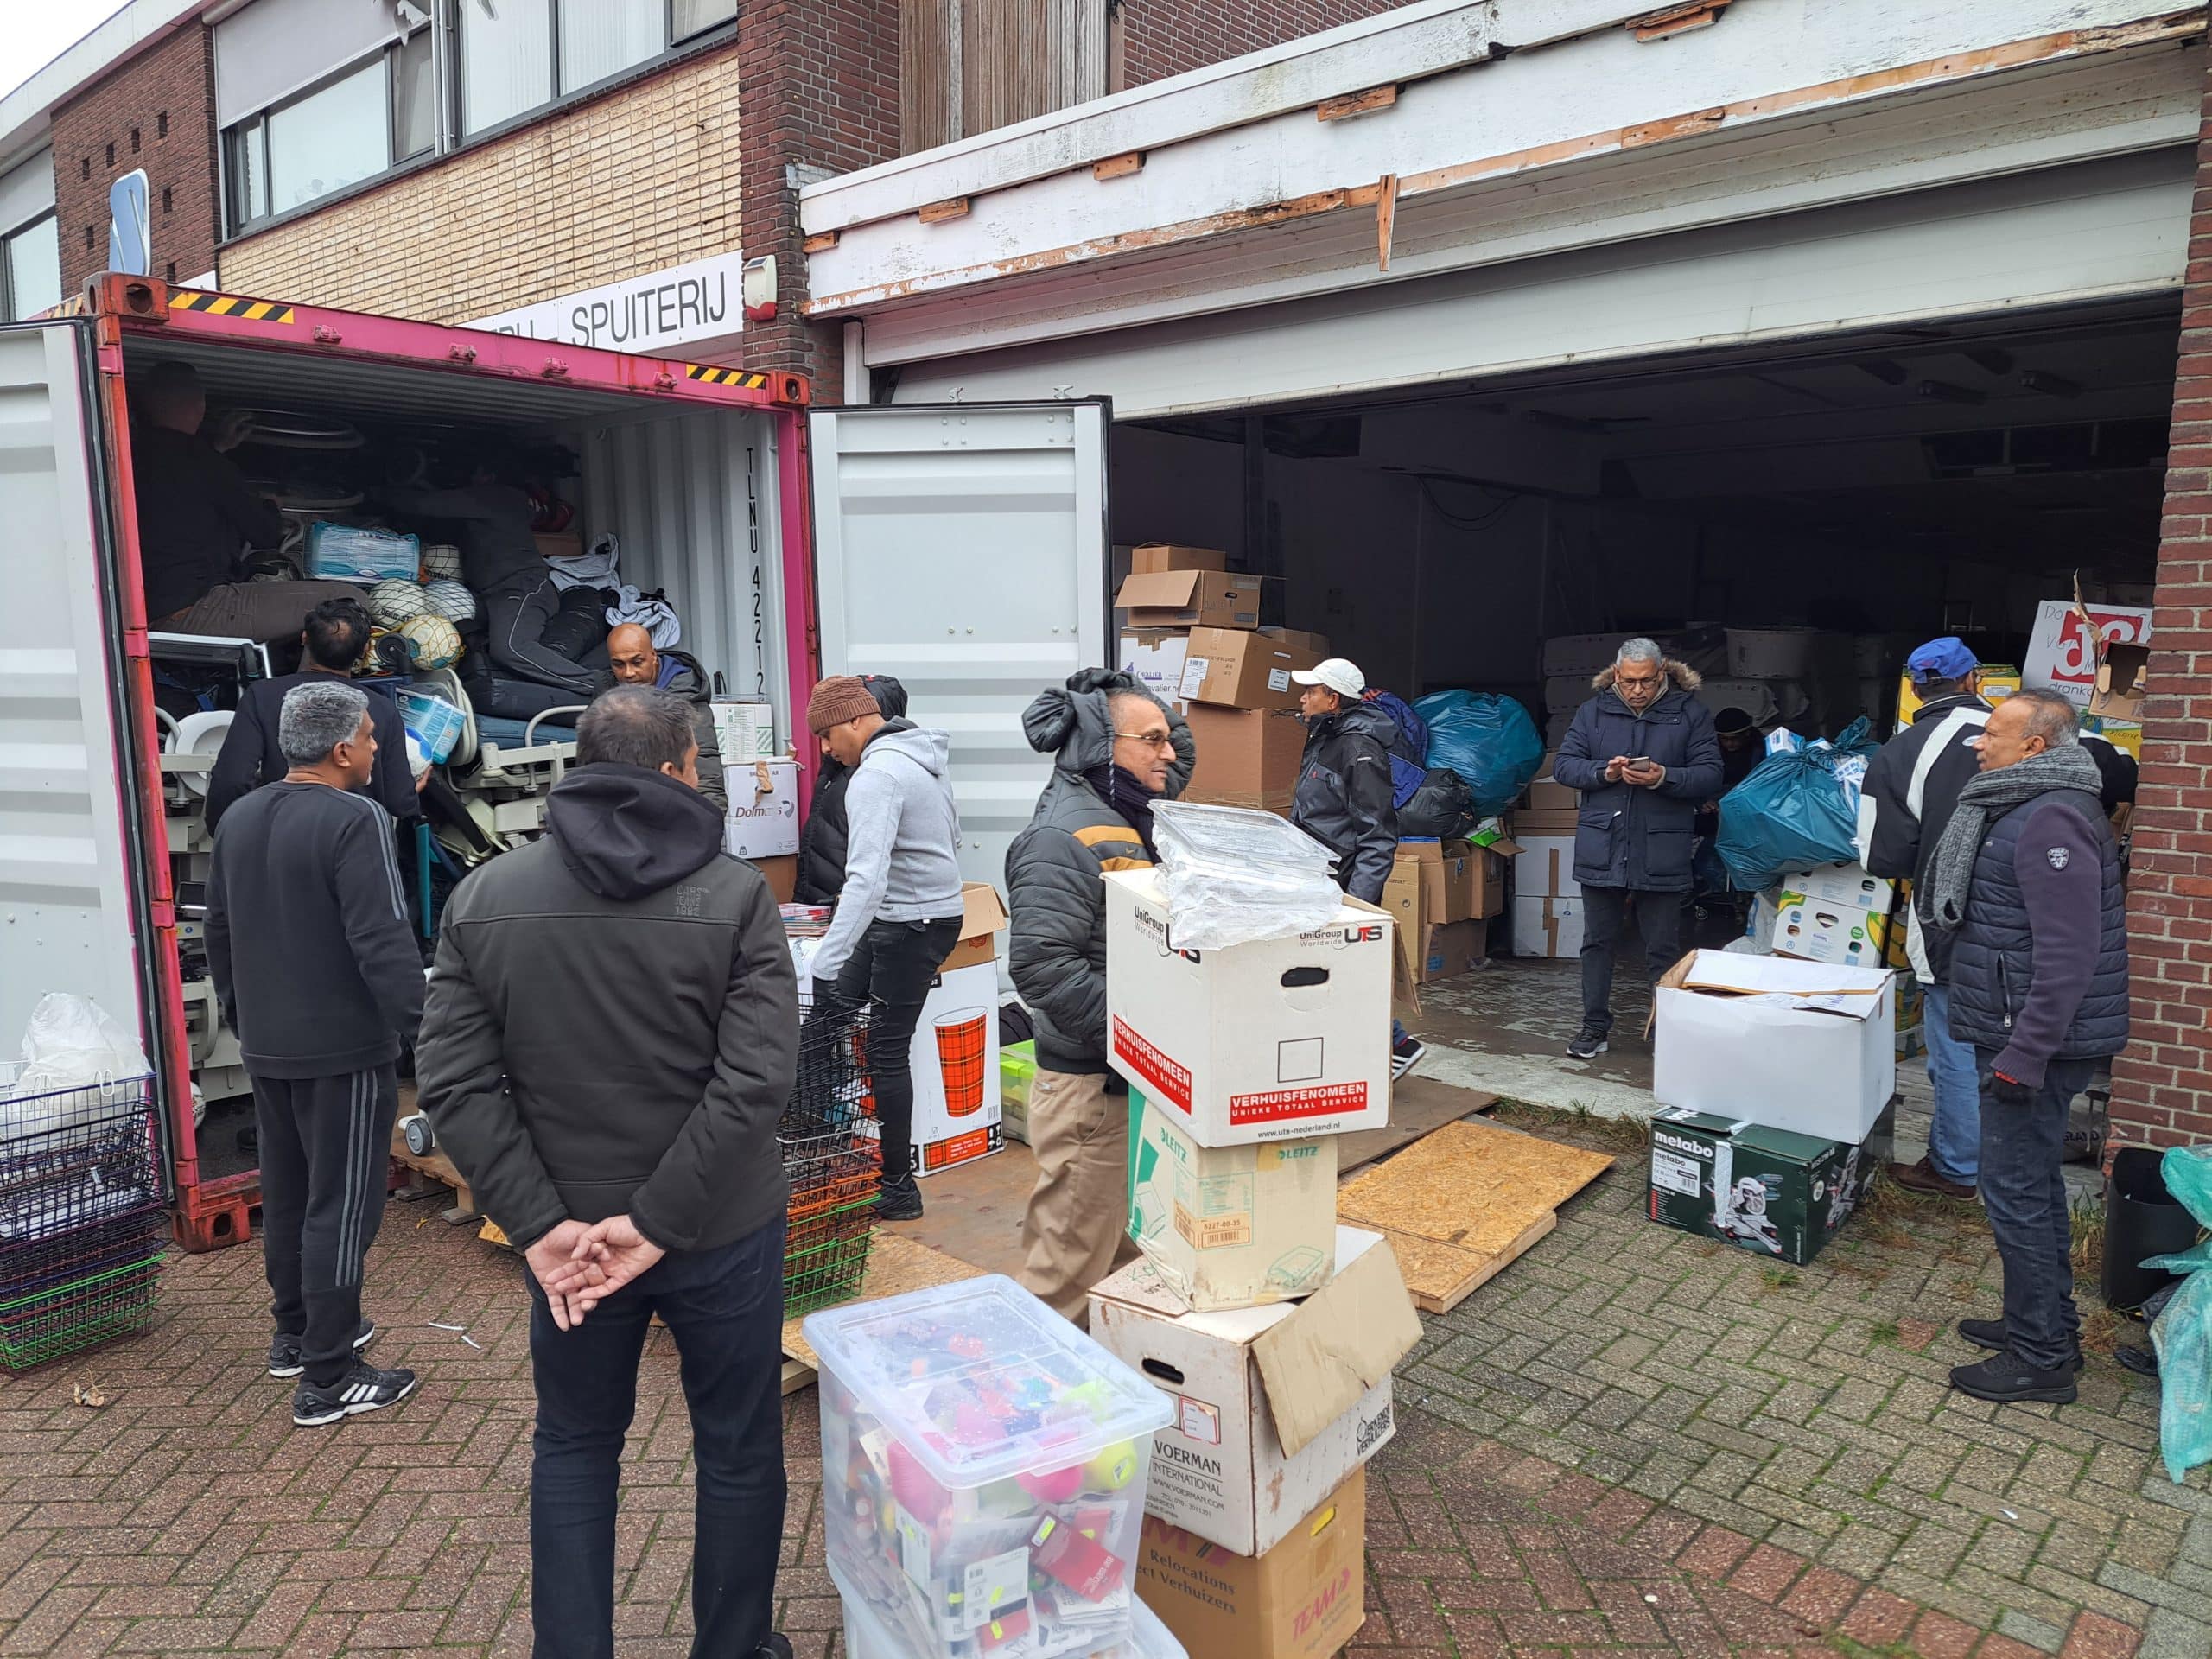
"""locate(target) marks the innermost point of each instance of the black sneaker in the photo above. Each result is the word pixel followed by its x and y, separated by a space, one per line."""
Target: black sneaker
pixel 284 1351
pixel 1405 1054
pixel 1990 1333
pixel 2006 1377
pixel 899 1201
pixel 363 1388
pixel 777 1646
pixel 1588 1046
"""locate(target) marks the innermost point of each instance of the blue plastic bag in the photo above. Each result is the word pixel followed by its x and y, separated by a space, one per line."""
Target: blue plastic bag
pixel 1488 740
pixel 1790 814
pixel 2182 1332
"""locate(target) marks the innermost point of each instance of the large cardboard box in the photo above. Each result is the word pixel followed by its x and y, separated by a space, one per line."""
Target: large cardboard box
pixel 2122 683
pixel 1823 930
pixel 1275 1040
pixel 1546 927
pixel 1766 1190
pixel 1487 865
pixel 2062 654
pixel 1246 757
pixel 1403 898
pixel 1231 1227
pixel 1797 1046
pixel 1303 1600
pixel 1301 637
pixel 763 819
pixel 782 874
pixel 1448 877
pixel 1240 669
pixel 1450 949
pixel 1156 656
pixel 1150 558
pixel 983 919
pixel 1544 867
pixel 1273 1405
pixel 1545 821
pixel 1546 795
pixel 1192 599
pixel 1844 884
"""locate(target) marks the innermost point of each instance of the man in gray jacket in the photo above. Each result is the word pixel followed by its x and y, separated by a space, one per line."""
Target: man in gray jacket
pixel 899 914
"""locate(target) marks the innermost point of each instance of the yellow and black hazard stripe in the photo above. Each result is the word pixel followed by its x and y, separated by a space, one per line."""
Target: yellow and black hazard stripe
pixel 229 305
pixel 713 375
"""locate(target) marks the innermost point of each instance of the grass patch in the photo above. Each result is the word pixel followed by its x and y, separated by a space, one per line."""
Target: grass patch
pixel 2087 1215
pixel 2103 1330
pixel 1620 1135
pixel 1887 1333
pixel 1780 1278
pixel 1851 1650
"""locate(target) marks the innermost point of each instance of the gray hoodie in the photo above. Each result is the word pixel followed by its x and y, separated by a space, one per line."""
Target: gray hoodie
pixel 902 860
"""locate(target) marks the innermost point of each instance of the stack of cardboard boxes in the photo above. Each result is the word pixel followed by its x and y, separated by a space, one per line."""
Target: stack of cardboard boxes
pixel 1272 1329
pixel 1546 898
pixel 1442 894
pixel 1192 633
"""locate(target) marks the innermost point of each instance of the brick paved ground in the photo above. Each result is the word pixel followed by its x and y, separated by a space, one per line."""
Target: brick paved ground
pixel 1627 1444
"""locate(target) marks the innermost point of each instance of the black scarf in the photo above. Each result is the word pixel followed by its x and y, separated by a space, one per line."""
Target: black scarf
pixel 1122 792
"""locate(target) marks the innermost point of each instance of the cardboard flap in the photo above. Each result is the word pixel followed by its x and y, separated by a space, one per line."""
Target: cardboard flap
pixel 1807 987
pixel 1345 1339
pixel 982 911
pixel 1159 590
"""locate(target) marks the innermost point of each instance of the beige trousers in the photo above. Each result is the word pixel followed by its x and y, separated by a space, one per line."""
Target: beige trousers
pixel 1077 1228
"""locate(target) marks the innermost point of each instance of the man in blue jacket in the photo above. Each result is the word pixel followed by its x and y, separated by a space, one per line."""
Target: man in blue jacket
pixel 1644 755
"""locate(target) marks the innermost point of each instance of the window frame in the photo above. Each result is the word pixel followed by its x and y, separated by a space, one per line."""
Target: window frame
pixel 461 138
pixel 8 261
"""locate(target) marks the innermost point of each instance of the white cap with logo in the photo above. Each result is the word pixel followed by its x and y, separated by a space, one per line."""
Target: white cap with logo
pixel 1340 675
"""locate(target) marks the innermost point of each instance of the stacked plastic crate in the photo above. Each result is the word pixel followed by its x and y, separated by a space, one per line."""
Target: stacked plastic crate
pixel 84 1219
pixel 833 1169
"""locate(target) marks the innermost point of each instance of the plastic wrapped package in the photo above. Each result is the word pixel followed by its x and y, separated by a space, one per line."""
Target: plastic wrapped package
pixel 352 553
pixel 1490 741
pixel 2182 1332
pixel 1234 876
pixel 78 1062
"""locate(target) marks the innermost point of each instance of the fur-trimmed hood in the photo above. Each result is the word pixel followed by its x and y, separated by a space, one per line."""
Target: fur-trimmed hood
pixel 1685 677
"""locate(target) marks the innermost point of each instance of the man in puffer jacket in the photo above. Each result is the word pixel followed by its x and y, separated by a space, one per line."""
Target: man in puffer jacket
pixel 2026 885
pixel 1116 749
pixel 1644 755
pixel 635 660
pixel 822 843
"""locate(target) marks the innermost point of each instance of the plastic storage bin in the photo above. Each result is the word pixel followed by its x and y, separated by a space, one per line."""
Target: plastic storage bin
pixel 867 1636
pixel 984 1465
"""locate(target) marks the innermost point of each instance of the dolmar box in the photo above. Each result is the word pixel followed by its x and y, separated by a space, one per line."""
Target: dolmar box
pixel 1247 757
pixel 1766 1190
pixel 1156 656
pixel 1192 599
pixel 763 821
pixel 1273 1406
pixel 1239 669
pixel 1275 1040
pixel 1151 558
pixel 1303 1600
pixel 1231 1227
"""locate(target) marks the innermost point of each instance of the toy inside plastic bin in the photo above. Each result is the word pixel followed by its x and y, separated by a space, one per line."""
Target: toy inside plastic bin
pixel 433 722
pixel 984 1465
pixel 868 1637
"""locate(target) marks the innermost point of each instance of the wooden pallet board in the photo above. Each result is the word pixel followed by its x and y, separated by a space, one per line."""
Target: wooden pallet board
pixel 895 1265
pixel 1419 1107
pixel 435 1165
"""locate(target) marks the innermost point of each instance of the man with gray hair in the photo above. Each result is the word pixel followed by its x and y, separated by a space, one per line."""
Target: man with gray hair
pixel 318 974
pixel 2025 886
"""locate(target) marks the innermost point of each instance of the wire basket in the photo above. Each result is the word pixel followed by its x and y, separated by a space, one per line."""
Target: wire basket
pixel 82 1314
pixel 832 1091
pixel 76 1157
pixel 831 1265
pixel 35 1265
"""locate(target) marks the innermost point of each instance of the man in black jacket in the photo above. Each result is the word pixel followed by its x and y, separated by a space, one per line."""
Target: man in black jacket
pixel 2025 882
pixel 336 635
pixel 611 1038
pixel 316 971
pixel 1907 798
pixel 1115 750
pixel 1644 755
pixel 821 843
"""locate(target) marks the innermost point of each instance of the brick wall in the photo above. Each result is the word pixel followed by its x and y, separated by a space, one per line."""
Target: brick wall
pixel 1159 38
pixel 822 92
pixel 642 179
pixel 2162 1087
pixel 165 96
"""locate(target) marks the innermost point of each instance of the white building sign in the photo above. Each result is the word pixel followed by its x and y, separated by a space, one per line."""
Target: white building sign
pixel 701 300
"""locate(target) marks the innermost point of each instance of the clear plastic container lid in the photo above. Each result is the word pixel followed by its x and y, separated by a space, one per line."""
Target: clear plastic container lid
pixel 982 1382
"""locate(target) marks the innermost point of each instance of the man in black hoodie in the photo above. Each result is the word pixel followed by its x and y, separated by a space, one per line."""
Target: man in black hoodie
pixel 317 971
pixel 610 1040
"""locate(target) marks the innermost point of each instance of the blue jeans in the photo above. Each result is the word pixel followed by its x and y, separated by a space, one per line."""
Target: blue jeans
pixel 1954 1136
pixel 725 1310
pixel 2024 1194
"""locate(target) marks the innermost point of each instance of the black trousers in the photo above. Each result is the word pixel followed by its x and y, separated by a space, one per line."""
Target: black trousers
pixel 326 1143
pixel 1604 911
pixel 893 970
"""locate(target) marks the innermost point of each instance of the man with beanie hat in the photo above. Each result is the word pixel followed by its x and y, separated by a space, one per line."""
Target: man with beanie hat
pixel 1116 749
pixel 898 912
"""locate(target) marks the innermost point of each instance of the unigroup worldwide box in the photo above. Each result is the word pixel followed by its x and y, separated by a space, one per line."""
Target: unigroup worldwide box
pixel 1280 1039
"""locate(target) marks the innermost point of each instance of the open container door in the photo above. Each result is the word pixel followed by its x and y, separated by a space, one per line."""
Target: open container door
pixel 72 892
pixel 962 550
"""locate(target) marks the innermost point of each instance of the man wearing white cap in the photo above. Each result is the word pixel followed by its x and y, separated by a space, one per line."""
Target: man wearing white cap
pixel 1344 799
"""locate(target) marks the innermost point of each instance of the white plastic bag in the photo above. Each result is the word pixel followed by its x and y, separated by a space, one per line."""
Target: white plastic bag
pixel 71 1044
pixel 1234 876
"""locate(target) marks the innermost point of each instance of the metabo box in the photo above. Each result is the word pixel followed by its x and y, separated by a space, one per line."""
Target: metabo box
pixel 1766 1190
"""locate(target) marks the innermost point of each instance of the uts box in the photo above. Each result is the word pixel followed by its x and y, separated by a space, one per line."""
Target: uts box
pixel 1276 1040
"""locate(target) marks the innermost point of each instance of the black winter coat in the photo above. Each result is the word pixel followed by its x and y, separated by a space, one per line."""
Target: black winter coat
pixel 1625 836
pixel 821 843
pixel 1056 943
pixel 1911 790
pixel 1344 797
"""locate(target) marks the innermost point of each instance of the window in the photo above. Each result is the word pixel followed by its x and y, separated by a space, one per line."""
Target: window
pixel 161 124
pixel 518 55
pixel 368 119
pixel 134 141
pixel 169 201
pixel 605 37
pixel 506 59
pixel 689 17
pixel 30 259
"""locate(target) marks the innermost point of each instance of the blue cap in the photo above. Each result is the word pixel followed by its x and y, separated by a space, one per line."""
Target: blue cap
pixel 1947 659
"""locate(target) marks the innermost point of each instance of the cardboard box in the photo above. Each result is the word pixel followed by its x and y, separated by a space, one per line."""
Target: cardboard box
pixel 1820 929
pixel 763 809
pixel 1544 867
pixel 559 543
pixel 1273 1405
pixel 1546 927
pixel 2121 733
pixel 782 873
pixel 1247 757
pixel 1999 682
pixel 1156 656
pixel 1192 599
pixel 1544 795
pixel 1844 884
pixel 1762 1189
pixel 1545 821
pixel 2122 682
pixel 2064 653
pixel 1239 669
pixel 1798 1046
pixel 1275 1040
pixel 1303 1600
pixel 1447 878
pixel 745 729
pixel 1315 642
pixel 1150 558
pixel 1402 898
pixel 1231 1227
pixel 983 919
pixel 1488 865
pixel 1449 949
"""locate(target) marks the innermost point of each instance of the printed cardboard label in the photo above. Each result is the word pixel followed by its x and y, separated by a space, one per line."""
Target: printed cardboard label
pixel 1195 1419
pixel 1277 679
pixel 1210 1231
pixel 1288 1105
pixel 913 1547
pixel 1172 1082
pixel 1672 1173
pixel 1194 675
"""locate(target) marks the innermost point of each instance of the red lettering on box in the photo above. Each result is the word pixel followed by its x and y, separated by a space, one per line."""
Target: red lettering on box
pixel 1171 1082
pixel 1287 1105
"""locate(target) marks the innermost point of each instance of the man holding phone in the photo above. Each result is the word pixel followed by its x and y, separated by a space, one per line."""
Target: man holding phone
pixel 1644 755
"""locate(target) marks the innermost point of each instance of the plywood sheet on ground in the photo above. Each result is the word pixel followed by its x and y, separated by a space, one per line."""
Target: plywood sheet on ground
pixel 895 1265
pixel 1418 1106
